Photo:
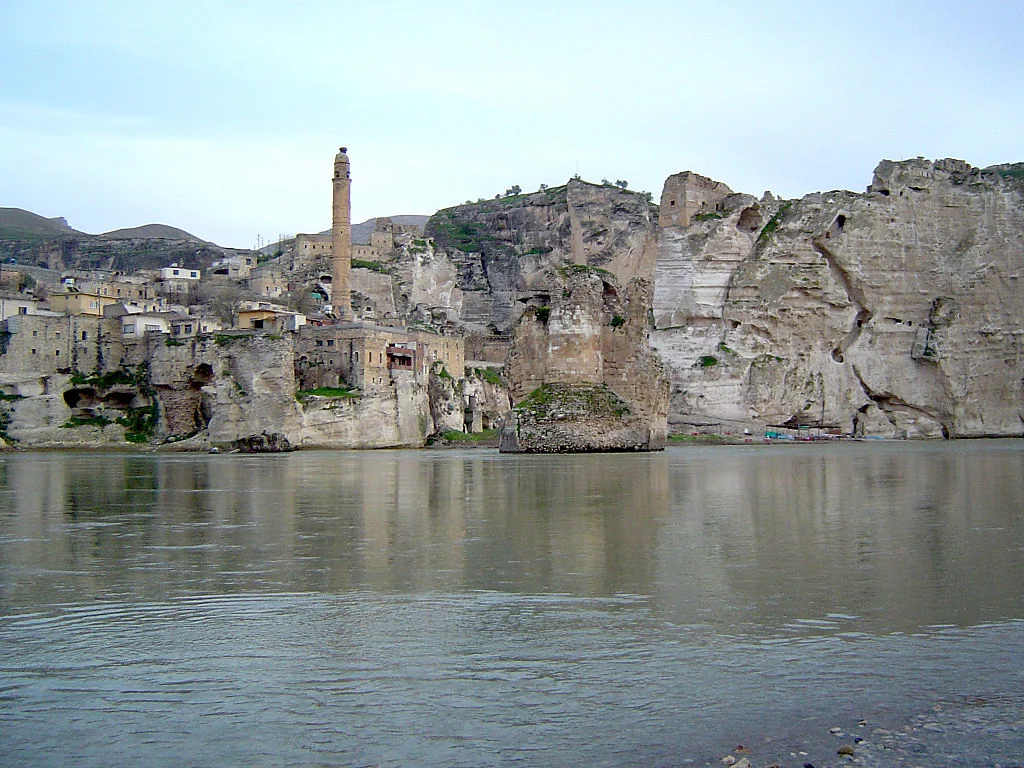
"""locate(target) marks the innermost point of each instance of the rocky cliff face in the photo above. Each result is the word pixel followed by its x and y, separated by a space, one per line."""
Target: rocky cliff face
pixel 581 371
pixel 492 251
pixel 897 312
pixel 229 391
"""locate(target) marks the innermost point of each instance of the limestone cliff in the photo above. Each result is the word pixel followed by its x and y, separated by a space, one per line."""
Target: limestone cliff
pixel 897 312
pixel 494 250
pixel 227 390
pixel 581 371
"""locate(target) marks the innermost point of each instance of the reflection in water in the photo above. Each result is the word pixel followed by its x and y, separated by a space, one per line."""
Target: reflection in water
pixel 898 536
pixel 470 608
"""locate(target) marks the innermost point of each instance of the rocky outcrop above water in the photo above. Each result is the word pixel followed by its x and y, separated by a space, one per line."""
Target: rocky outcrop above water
pixel 230 391
pixel 581 372
pixel 898 312
pixel 492 251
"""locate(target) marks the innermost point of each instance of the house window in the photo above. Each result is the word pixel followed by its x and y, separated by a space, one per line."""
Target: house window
pixel 175 272
pixel 35 333
pixel 319 342
pixel 188 329
pixel 129 328
pixel 58 334
pixel 85 335
pixel 57 353
pixel 33 351
pixel 22 310
pixel 330 342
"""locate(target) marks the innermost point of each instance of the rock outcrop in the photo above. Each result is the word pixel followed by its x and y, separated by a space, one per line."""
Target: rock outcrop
pixel 495 250
pixel 898 312
pixel 231 391
pixel 581 372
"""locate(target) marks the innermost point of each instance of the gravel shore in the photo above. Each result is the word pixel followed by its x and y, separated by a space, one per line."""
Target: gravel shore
pixel 974 732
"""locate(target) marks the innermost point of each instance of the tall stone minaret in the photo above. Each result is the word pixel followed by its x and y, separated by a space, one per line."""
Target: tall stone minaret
pixel 341 239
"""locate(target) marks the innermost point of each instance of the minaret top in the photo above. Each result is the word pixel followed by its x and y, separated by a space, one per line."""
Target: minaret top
pixel 341 164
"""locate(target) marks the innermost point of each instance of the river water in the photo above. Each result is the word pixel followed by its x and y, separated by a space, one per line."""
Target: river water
pixel 467 608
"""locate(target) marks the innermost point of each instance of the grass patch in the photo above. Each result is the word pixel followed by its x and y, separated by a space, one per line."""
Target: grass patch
pixel 171 342
pixel 774 223
pixel 224 339
pixel 328 392
pixel 108 379
pixel 470 438
pixel 374 266
pixel 706 361
pixel 139 423
pixel 86 421
pixel 617 321
pixel 490 375
pixel 543 313
pixel 572 401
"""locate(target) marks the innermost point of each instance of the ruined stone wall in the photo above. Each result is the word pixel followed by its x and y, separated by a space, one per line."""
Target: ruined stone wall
pixel 687 194
pixel 487 349
pixel 36 346
pixel 581 372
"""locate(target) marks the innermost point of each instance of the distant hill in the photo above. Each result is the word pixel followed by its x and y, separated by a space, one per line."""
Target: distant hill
pixel 35 241
pixel 151 231
pixel 18 224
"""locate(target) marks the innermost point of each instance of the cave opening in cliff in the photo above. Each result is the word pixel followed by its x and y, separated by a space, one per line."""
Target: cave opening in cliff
pixel 80 398
pixel 120 399
pixel 750 220
pixel 201 375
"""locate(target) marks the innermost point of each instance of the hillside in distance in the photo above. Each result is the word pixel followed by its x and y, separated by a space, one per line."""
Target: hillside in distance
pixel 35 240
pixel 152 232
pixel 18 224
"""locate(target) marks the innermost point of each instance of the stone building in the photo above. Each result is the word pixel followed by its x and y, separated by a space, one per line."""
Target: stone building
pixel 37 346
pixel 686 195
pixel 363 356
pixel 308 249
pixel 76 302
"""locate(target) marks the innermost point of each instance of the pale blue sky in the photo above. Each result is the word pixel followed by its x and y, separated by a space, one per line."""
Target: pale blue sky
pixel 223 118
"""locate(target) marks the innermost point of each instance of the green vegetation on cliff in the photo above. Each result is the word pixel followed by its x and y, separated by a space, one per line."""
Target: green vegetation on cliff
pixel 327 392
pixel 559 402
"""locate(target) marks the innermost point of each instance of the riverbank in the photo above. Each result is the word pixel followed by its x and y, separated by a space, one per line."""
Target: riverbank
pixel 953 733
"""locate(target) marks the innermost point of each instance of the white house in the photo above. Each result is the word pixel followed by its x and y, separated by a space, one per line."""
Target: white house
pixel 174 272
pixel 136 326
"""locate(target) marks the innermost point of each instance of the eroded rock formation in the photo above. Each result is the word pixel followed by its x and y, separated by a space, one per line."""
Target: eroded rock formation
pixel 497 249
pixel 898 312
pixel 581 371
